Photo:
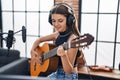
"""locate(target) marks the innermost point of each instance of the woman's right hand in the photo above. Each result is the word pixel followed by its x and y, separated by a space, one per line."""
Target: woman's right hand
pixel 35 57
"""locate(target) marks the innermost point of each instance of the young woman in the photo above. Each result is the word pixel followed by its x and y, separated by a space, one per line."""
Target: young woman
pixel 64 22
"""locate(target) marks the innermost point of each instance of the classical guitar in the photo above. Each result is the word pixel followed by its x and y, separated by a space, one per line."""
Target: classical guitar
pixel 48 53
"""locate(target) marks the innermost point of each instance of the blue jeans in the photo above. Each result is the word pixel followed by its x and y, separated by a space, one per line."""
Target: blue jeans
pixel 60 75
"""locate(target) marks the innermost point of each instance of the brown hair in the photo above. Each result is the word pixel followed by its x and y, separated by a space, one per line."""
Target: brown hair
pixel 66 10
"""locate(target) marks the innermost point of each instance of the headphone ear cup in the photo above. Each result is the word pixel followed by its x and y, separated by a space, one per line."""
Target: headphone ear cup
pixel 70 20
pixel 50 19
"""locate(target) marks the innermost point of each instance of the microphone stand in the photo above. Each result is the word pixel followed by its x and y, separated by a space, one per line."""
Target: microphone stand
pixel 9 39
pixel 1 37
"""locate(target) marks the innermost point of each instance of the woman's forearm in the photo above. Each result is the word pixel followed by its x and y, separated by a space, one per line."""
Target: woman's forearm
pixel 67 66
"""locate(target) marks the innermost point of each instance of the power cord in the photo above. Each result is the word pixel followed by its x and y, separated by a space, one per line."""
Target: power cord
pixel 88 70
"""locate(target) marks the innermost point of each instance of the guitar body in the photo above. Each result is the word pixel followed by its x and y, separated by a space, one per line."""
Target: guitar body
pixel 48 65
pixel 48 53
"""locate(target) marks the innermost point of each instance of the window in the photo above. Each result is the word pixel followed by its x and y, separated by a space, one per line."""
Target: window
pixel 101 18
pixel 33 14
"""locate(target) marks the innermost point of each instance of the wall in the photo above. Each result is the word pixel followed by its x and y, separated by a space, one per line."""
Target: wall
pixel 73 3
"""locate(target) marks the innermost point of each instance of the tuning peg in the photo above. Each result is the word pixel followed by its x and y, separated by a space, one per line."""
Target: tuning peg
pixel 87 47
pixel 83 47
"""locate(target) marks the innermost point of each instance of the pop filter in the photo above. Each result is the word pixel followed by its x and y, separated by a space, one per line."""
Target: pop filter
pixel 23 33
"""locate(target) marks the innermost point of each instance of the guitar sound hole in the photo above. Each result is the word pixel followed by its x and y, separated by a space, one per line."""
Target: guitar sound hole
pixel 41 58
pixel 35 66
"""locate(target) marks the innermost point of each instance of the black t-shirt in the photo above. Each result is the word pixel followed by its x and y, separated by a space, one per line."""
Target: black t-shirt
pixel 63 37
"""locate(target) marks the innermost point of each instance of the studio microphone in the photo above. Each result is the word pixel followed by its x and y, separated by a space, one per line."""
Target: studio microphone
pixel 24 34
pixel 9 39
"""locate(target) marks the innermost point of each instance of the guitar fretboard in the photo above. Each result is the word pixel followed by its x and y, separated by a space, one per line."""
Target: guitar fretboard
pixel 53 52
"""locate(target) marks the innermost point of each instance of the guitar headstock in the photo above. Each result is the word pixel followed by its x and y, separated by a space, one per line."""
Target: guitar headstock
pixel 82 41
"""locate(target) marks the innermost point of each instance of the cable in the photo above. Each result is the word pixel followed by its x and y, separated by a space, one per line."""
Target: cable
pixel 88 71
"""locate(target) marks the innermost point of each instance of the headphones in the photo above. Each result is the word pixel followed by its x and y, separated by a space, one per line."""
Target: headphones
pixel 70 15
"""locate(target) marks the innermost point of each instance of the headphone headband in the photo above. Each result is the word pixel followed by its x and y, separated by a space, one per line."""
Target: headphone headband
pixel 65 9
pixel 70 10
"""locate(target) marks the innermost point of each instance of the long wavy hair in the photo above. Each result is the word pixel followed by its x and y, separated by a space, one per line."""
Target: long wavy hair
pixel 66 10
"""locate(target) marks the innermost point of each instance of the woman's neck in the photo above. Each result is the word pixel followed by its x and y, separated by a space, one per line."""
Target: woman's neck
pixel 65 32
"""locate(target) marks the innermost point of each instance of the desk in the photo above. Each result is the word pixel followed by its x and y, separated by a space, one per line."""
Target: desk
pixel 114 75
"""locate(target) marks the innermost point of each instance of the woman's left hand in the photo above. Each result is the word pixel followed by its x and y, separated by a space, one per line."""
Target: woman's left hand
pixel 61 51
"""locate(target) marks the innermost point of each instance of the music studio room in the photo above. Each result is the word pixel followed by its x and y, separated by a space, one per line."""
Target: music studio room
pixel 22 22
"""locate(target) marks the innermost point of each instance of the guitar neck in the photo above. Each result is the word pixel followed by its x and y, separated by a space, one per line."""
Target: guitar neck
pixel 53 52
pixel 80 41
